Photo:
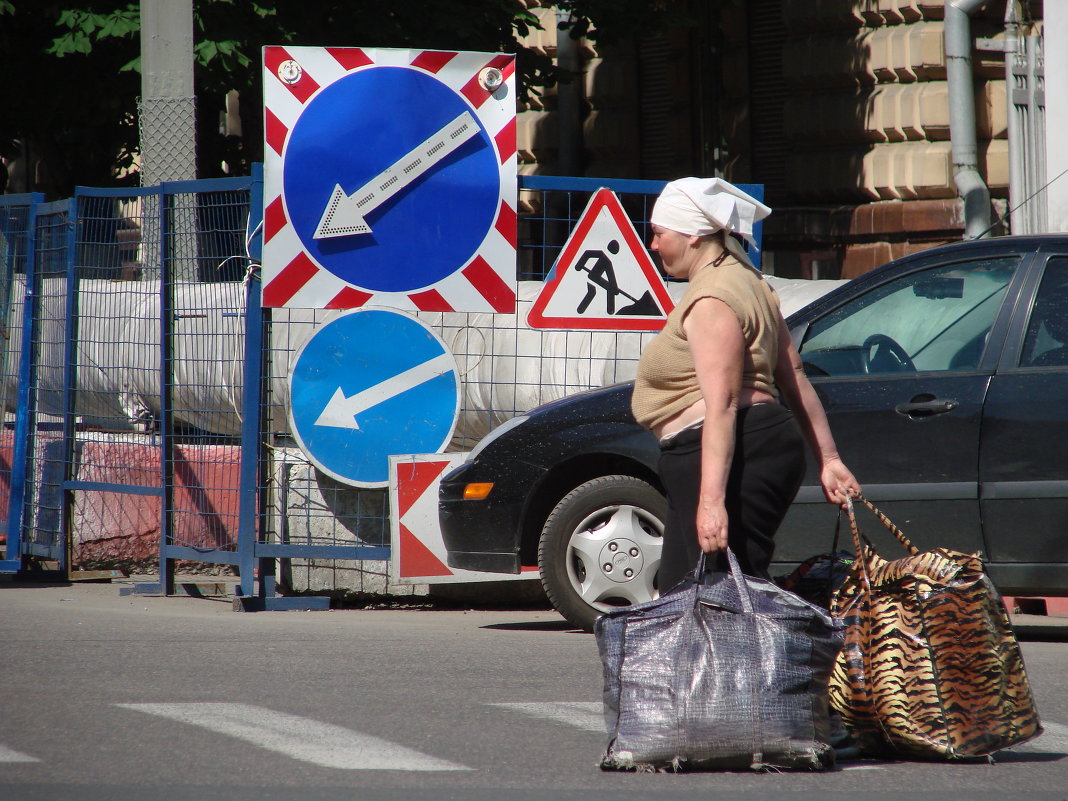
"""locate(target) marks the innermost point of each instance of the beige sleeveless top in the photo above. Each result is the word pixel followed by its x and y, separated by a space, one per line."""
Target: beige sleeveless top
pixel 667 381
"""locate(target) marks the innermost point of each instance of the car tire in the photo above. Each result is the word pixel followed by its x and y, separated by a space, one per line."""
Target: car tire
pixel 600 547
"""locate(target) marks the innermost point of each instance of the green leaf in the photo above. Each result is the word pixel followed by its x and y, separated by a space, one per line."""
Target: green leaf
pixel 89 22
pixel 119 25
pixel 263 11
pixel 206 51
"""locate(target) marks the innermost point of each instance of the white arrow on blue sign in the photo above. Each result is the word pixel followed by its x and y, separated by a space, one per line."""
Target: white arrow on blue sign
pixel 370 384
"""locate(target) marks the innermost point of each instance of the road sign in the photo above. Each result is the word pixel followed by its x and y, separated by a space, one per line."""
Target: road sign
pixel 367 385
pixel 389 179
pixel 604 279
pixel 418 554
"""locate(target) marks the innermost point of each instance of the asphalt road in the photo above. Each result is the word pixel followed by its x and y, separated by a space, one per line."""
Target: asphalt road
pixel 109 697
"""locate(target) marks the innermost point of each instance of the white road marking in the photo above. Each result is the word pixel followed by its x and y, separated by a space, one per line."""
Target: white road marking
pixel 10 755
pixel 585 715
pixel 340 412
pixel 300 738
pixel 1054 739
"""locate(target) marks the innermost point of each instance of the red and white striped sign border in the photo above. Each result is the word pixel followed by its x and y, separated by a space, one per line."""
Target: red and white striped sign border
pixel 291 277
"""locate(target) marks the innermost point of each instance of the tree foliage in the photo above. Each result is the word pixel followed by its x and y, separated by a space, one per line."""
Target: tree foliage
pixel 68 117
pixel 72 117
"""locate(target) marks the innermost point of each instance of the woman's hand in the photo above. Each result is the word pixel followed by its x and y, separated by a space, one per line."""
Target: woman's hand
pixel 838 482
pixel 712 527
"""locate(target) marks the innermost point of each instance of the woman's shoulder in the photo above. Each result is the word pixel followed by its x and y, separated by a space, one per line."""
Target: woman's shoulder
pixel 730 275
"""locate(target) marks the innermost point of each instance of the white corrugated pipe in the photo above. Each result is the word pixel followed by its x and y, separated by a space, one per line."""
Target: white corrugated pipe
pixel 506 367
pixel 970 185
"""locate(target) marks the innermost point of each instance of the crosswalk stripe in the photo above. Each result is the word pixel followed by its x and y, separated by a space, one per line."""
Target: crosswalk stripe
pixel 300 738
pixel 11 755
pixel 585 715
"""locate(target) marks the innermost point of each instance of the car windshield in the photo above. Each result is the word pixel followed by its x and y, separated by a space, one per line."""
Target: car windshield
pixel 934 319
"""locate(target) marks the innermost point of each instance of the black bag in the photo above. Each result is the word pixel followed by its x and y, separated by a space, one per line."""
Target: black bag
pixel 817 578
pixel 727 674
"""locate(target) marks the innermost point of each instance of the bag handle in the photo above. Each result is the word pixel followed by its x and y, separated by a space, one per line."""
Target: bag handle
pixel 862 558
pixel 739 581
pixel 861 553
pixel 735 571
pixel 898 533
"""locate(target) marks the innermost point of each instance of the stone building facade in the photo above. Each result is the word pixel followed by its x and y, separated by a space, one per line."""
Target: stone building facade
pixel 839 107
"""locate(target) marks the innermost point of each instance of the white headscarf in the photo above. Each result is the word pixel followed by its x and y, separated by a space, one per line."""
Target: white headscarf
pixel 702 206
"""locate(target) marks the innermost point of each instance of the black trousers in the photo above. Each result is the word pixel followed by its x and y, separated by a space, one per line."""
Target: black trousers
pixel 766 472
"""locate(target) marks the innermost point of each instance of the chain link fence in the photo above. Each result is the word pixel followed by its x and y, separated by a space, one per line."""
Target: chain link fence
pixel 166 126
pixel 141 364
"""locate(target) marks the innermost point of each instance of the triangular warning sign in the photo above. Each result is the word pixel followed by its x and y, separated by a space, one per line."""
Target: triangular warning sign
pixel 416 559
pixel 604 279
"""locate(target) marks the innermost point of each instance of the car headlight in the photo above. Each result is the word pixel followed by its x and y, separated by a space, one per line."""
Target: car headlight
pixel 496 433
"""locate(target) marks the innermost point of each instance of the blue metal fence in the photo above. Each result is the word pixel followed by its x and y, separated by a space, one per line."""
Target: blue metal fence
pixel 37 238
pixel 554 203
pixel 17 221
pixel 164 431
pixel 146 388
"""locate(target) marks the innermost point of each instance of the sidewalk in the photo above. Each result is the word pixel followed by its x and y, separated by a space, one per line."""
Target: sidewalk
pixel 212 590
pixel 1040 627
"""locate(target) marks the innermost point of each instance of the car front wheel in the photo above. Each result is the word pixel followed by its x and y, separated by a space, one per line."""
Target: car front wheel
pixel 600 547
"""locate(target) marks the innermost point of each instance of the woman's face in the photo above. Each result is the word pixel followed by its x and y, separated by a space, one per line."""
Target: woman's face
pixel 673 248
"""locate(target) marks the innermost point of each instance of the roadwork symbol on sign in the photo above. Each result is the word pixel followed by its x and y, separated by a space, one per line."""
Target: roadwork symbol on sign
pixel 370 384
pixel 389 179
pixel 418 554
pixel 604 279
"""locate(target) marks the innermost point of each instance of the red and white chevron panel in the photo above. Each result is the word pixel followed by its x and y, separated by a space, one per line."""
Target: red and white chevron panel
pixel 418 554
pixel 293 76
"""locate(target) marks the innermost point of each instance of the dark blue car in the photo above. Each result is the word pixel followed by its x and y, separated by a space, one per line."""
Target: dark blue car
pixel 945 379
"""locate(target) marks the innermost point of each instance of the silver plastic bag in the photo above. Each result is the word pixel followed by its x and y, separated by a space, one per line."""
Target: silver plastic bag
pixel 727 674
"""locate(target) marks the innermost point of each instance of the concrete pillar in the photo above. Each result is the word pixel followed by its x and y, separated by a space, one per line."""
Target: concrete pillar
pixel 167 112
pixel 167 123
pixel 1056 83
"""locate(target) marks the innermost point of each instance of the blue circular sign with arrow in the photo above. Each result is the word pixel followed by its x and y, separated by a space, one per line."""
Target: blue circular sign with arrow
pixel 390 181
pixel 370 384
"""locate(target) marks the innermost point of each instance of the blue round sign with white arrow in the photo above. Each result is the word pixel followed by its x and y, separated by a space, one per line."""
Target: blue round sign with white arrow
pixel 370 384
pixel 384 163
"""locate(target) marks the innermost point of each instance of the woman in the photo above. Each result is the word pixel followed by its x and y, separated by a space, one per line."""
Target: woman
pixel 708 386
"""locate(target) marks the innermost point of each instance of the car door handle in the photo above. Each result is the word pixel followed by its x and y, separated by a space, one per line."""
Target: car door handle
pixel 926 406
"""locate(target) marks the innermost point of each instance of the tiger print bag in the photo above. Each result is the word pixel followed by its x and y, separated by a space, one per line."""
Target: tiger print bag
pixel 930 667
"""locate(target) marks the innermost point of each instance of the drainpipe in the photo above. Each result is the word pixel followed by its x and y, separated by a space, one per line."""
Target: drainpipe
pixel 1019 218
pixel 970 185
pixel 569 101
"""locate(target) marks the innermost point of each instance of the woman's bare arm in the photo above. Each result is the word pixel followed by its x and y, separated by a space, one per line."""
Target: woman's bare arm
pixel 837 481
pixel 718 349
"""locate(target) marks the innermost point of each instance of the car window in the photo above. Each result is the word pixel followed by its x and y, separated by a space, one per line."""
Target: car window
pixel 935 319
pixel 1046 342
